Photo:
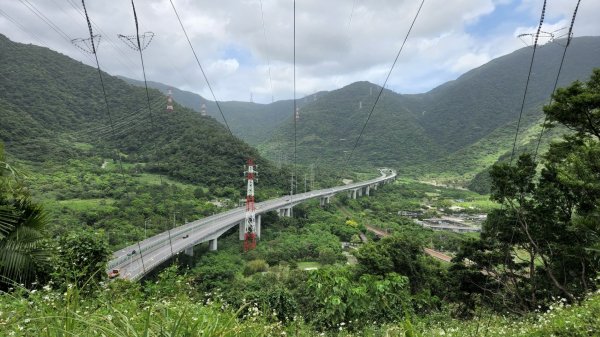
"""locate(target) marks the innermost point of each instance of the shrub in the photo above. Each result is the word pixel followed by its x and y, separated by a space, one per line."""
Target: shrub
pixel 255 266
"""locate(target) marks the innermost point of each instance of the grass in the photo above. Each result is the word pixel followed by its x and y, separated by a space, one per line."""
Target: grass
pixel 171 308
pixel 482 203
pixel 155 179
pixel 309 265
pixel 87 204
pixel 82 146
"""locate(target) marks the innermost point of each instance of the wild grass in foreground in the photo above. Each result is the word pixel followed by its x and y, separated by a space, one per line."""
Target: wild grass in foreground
pixel 162 309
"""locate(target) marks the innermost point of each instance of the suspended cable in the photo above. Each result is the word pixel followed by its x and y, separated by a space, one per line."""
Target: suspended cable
pixel 87 18
pixel 352 13
pixel 201 69
pixel 384 84
pixel 562 60
pixel 512 154
pixel 97 29
pixel 262 15
pixel 49 23
pixel 22 28
pixel 295 112
pixel 140 48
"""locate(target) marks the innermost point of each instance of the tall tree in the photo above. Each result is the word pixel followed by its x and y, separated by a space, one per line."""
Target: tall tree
pixel 544 241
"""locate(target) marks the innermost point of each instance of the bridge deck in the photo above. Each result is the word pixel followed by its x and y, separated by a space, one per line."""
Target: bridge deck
pixel 153 251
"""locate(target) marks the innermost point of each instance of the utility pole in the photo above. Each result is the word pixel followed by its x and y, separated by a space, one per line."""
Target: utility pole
pixel 174 219
pixel 170 242
pixel 145 229
pixel 141 257
pixel 305 182
pixel 292 185
pixel 312 177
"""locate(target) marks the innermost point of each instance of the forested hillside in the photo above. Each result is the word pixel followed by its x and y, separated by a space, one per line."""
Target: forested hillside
pixel 52 109
pixel 250 121
pixel 328 127
pixel 137 176
pixel 468 122
pixel 460 112
pixel 449 134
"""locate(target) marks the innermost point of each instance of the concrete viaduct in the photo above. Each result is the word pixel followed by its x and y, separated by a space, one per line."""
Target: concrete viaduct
pixel 138 259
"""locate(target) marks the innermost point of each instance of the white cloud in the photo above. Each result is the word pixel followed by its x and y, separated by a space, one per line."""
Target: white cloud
pixel 469 61
pixel 331 50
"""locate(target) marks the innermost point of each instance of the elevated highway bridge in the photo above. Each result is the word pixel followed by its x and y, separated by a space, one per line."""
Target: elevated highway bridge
pixel 137 260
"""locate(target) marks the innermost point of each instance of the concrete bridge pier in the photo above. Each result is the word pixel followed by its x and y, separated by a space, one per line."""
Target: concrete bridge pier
pixel 359 192
pixel 242 230
pixel 367 190
pixel 257 224
pixel 325 200
pixel 189 251
pixel 212 244
pixel 285 211
pixel 353 193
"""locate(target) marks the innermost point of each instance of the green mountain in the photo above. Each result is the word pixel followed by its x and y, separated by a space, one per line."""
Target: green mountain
pixel 461 112
pixel 247 120
pixel 52 109
pixel 460 127
pixel 327 129
pixel 450 133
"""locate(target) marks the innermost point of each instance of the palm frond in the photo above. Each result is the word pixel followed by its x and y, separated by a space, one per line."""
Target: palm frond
pixel 8 220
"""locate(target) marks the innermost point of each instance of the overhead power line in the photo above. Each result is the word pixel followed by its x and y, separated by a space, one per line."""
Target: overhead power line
pixel 22 28
pixel 384 84
pixel 294 113
pixel 537 34
pixel 352 12
pixel 87 18
pixel 562 60
pixel 147 37
pixel 262 15
pixel 31 7
pixel 201 69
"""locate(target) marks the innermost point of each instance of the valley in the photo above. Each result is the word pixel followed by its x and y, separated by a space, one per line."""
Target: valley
pixel 461 198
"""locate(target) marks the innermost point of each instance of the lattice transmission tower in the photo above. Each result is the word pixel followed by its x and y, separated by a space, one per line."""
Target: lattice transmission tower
pixel 250 222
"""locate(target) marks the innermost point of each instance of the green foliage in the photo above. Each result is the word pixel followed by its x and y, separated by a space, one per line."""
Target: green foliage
pixel 216 271
pixel 337 299
pixel 577 107
pixel 403 255
pixel 23 249
pixel 80 259
pixel 121 309
pixel 310 243
pixel 255 266
pixel 552 217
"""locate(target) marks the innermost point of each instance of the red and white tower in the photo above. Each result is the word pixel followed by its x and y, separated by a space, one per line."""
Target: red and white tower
pixel 170 102
pixel 250 224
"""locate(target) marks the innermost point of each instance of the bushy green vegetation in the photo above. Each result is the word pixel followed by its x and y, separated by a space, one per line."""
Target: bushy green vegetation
pixel 552 216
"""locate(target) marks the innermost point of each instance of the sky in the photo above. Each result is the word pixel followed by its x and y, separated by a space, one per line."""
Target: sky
pixel 246 47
